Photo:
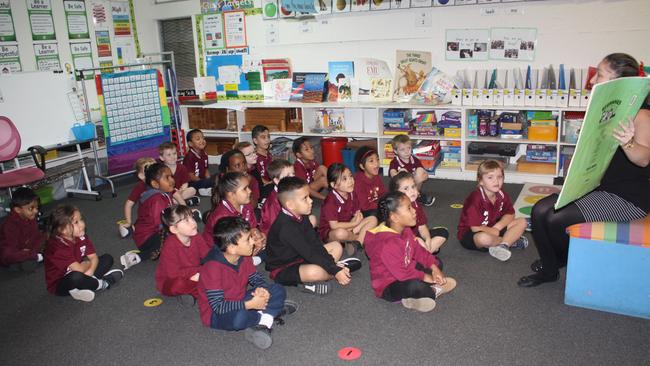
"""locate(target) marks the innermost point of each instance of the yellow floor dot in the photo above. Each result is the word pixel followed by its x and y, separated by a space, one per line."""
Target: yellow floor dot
pixel 153 302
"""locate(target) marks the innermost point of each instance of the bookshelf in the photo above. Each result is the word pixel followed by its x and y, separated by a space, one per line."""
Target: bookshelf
pixel 364 121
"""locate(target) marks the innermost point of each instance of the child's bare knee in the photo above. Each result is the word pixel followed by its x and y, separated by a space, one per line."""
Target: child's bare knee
pixel 483 240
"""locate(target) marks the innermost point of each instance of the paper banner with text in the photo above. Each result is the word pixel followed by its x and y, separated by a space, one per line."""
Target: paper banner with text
pixel 47 56
pixel 218 6
pixel 82 58
pixel 40 20
pixel 121 18
pixel 9 59
pixel 7 29
pixel 75 16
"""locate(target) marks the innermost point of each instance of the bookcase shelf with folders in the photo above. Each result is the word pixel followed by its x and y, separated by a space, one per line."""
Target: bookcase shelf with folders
pixel 453 129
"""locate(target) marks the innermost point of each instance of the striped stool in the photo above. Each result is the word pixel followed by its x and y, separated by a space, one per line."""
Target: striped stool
pixel 608 267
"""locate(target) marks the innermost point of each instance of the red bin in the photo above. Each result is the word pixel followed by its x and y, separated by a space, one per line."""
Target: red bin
pixel 331 149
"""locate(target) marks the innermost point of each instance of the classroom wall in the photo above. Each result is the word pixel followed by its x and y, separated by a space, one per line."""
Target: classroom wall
pixel 576 33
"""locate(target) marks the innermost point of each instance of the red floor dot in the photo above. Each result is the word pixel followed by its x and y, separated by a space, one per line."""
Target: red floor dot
pixel 349 353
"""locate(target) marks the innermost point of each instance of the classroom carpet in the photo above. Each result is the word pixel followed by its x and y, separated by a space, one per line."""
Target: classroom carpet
pixel 486 320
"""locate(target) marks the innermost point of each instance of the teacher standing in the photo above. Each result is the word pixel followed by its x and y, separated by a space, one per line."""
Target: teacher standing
pixel 623 193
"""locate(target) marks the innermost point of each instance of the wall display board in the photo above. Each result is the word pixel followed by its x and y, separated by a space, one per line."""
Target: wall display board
pixel 47 56
pixel 75 16
pixel 135 116
pixel 467 44
pixel 218 6
pixel 82 57
pixel 41 20
pixel 513 43
pixel 7 29
pixel 9 59
pixel 121 18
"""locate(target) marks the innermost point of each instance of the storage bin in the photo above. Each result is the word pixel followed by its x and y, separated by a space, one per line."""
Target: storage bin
pixel 84 132
pixel 331 148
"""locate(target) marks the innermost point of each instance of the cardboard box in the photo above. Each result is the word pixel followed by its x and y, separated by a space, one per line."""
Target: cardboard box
pixel 452 132
pixel 542 133
pixel 524 166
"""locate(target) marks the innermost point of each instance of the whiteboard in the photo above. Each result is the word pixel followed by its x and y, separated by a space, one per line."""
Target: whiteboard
pixel 37 103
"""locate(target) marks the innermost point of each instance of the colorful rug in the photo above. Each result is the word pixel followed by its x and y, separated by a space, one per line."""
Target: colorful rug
pixel 530 194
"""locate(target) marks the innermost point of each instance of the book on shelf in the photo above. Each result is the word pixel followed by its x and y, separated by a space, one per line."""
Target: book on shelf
pixel 314 87
pixel 276 69
pixel 297 86
pixel 375 80
pixel 281 90
pixel 411 70
pixel 336 71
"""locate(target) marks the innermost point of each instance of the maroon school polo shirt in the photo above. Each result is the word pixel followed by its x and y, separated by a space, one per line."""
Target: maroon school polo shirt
pixel 181 176
pixel 225 209
pixel 420 217
pixel 478 210
pixel 262 165
pixel 60 253
pixel 336 208
pixel 306 170
pixel 196 162
pixel 368 190
pixel 410 166
pixel 270 210
pixel 148 222
pixel 137 190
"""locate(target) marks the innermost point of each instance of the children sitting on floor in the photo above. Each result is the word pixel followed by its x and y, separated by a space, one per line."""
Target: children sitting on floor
pixel 400 269
pixel 487 222
pixel 126 224
pixel 368 186
pixel 278 170
pixel 262 141
pixel 196 164
pixel 404 160
pixel 157 197
pixel 431 239
pixel 72 267
pixel 308 169
pixel 183 193
pixel 340 216
pixel 295 255
pixel 20 239
pixel 225 300
pixel 180 257
pixel 248 150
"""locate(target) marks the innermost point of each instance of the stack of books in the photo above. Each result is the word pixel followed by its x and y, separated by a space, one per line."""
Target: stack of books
pixel 542 126
pixel 450 123
pixel 389 154
pixel 396 121
pixel 510 126
pixel 429 154
pixel 425 124
pixel 450 154
pixel 541 153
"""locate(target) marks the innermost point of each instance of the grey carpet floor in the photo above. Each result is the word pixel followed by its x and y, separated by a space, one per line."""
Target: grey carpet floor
pixel 487 320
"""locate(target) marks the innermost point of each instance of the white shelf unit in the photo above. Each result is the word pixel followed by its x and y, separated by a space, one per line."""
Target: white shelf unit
pixel 365 121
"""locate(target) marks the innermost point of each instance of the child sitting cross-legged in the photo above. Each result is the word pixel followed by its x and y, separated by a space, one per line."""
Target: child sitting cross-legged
pixel 225 299
pixel 405 161
pixel 183 194
pixel 196 163
pixel 368 186
pixel 126 224
pixel 487 222
pixel 72 267
pixel 180 257
pixel 295 254
pixel 401 269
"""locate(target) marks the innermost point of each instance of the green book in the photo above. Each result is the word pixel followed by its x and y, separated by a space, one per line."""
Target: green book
pixel 610 103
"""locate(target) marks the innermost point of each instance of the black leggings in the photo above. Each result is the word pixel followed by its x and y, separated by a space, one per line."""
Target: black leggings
pixel 399 290
pixel 81 281
pixel 549 231
pixel 151 248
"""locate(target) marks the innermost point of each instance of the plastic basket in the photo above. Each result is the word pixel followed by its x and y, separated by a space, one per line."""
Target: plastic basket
pixel 84 132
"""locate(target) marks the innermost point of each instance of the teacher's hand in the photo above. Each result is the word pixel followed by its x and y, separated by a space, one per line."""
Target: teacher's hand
pixel 625 134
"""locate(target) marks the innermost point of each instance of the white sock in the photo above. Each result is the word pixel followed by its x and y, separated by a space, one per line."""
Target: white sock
pixel 266 319
pixel 100 284
pixel 506 244
pixel 39 257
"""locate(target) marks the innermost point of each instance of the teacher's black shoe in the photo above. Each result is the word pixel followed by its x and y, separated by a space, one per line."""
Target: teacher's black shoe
pixel 536 266
pixel 536 280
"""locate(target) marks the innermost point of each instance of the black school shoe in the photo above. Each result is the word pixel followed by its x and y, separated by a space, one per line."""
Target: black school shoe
pixel 351 247
pixel 536 266
pixel 426 199
pixel 193 201
pixel 259 335
pixel 113 276
pixel 536 279
pixel 289 308
pixel 353 264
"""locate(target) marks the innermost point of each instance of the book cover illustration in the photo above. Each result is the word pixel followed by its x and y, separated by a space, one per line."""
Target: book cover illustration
pixel 411 69
pixel 314 88
pixel 368 69
pixel 338 70
pixel 436 89
pixel 380 89
pixel 276 69
pixel 297 86
pixel 281 90
pixel 345 90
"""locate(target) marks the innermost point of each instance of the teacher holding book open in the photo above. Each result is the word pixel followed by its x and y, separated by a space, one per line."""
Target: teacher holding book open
pixel 624 190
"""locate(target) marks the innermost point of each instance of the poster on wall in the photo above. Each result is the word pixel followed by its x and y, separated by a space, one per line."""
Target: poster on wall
pixel 40 20
pixel 106 65
pixel 213 32
pixel 420 3
pixel 400 4
pixel 218 6
pixel 360 5
pixel 235 28
pixel 103 42
pixel 467 44
pixel 82 58
pixel 7 30
pixel 100 15
pixel 47 56
pixel 9 59
pixel 270 9
pixel 125 50
pixel 75 16
pixel 121 18
pixel 379 5
pixel 516 44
